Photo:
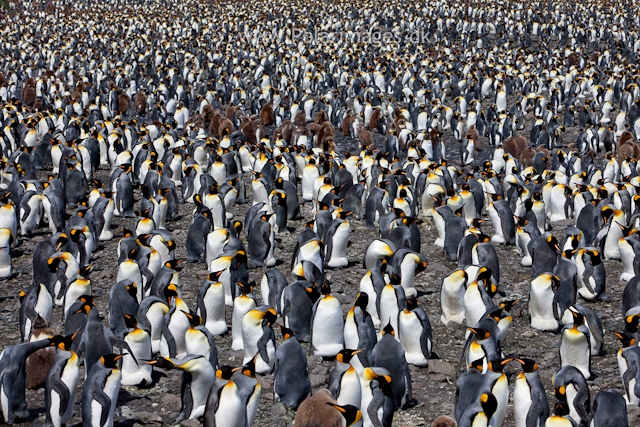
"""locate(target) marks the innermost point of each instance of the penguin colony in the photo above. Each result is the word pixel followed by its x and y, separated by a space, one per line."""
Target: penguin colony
pixel 182 183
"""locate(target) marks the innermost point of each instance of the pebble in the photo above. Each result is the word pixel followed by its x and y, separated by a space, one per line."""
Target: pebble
pixel 441 367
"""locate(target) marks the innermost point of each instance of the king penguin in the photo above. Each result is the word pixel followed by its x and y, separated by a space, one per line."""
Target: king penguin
pixel 291 383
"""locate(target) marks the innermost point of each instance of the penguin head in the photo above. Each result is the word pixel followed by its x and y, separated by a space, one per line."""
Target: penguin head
pixel 344 215
pixel 249 369
pixel 61 241
pixel 561 409
pixel 325 288
pixel 53 264
pixel 394 279
pixel 489 404
pixel 245 288
pixel 162 363
pixel 345 355
pixel 126 233
pixel 498 364
pixel 270 317
pixel 626 339
pixel 388 330
pixel 553 243
pixel 237 226
pixel 173 264
pixel 225 372
pixel 362 300
pixel 312 292
pixel 85 308
pixel 133 254
pixel 130 321
pixel 528 365
pixel 478 364
pixel 508 305
pixel 65 343
pixel 350 413
pixel 480 333
pixel 170 292
pixel 286 332
pixel 194 319
pixel 132 290
pixel 560 393
pixel 111 360
pixel 412 304
pixel 578 318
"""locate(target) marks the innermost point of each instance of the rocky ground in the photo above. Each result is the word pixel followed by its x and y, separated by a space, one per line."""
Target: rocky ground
pixel 434 387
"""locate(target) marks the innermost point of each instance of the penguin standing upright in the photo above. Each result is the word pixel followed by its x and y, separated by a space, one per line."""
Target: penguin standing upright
pixel 211 304
pixel 241 305
pixel 327 325
pixel 258 338
pixel 378 404
pixel 199 341
pixel 134 372
pixel 62 384
pixel 224 406
pixel 291 383
pixel 197 379
pixel 543 306
pixel 452 294
pixel 250 390
pixel 389 354
pixel 414 332
pixel 531 407
pixel 13 377
pixel 575 345
pixel 100 391
pixel 344 380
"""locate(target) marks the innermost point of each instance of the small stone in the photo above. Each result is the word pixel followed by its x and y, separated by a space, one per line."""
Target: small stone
pixel 317 380
pixel 320 370
pixel 190 423
pixel 278 409
pixel 202 274
pixel 441 367
pixel 439 378
pixel 170 401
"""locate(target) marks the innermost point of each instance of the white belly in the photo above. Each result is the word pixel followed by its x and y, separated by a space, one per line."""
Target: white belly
pixel 521 402
pixel 409 331
pixel 575 351
pixel 541 307
pixel 328 328
pixel 350 389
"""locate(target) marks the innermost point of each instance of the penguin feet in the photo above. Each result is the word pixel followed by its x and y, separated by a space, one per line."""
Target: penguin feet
pixel 21 414
pixel 410 403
